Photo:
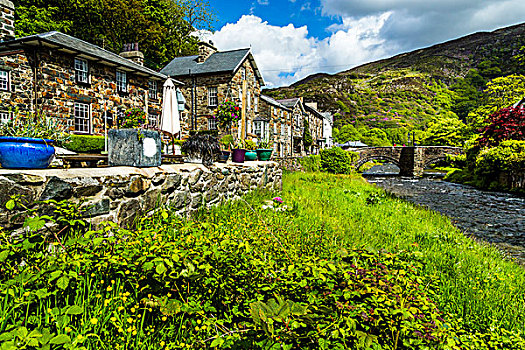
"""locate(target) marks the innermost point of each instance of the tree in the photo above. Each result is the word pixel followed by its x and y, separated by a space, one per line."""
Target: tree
pixel 500 93
pixel 375 137
pixel 445 131
pixel 505 124
pixel 307 136
pixel 347 133
pixel 162 28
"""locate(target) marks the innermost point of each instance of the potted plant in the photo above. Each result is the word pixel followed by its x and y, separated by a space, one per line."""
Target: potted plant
pixel 238 152
pixel 26 142
pixel 226 142
pixel 264 151
pixel 202 145
pixel 226 113
pixel 251 153
pixel 134 143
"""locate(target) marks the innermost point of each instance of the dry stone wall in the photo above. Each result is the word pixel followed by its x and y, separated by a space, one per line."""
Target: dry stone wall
pixel 119 194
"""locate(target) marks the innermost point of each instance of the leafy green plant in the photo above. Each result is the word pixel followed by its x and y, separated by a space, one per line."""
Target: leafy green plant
pixel 226 113
pixel 311 163
pixel 336 161
pixel 133 118
pixel 85 143
pixel 226 141
pixel 250 145
pixel 265 144
pixel 36 125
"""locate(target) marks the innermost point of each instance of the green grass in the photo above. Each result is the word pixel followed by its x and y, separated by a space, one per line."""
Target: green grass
pixel 472 279
pixel 341 266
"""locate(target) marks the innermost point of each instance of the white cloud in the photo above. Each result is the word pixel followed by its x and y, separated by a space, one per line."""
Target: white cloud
pixel 263 2
pixel 418 23
pixel 287 54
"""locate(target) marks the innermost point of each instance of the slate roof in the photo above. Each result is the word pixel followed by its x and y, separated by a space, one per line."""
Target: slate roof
pixel 351 144
pixel 273 102
pixel 289 102
pixel 218 62
pixel 68 44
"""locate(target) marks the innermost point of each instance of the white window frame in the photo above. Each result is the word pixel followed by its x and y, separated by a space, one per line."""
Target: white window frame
pixel 248 100
pixel 258 129
pixel 79 114
pixel 153 120
pixel 256 104
pixel 4 80
pixel 5 117
pixel 213 98
pixel 212 124
pixel 153 89
pixel 121 78
pixel 81 70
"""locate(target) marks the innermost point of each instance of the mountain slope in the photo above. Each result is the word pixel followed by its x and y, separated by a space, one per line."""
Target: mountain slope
pixel 409 90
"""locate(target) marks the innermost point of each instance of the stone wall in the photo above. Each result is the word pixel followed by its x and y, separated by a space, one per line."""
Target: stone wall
pixel 7 20
pixel 119 194
pixel 289 163
pixel 228 87
pixel 57 89
pixel 514 180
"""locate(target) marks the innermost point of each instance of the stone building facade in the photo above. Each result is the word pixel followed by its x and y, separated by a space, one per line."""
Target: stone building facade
pixel 276 122
pixel 78 83
pixel 212 77
pixel 315 123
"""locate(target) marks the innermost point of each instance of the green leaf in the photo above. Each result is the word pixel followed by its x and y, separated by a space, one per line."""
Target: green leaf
pixel 161 268
pixel 54 275
pixel 35 223
pixel 217 342
pixel 10 205
pixel 74 310
pixel 22 332
pixel 60 339
pixel 3 255
pixel 63 282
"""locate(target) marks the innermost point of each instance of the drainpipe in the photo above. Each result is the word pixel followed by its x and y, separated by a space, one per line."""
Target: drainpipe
pixel 193 104
pixel 35 79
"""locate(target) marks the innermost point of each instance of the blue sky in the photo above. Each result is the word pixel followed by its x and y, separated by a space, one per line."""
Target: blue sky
pixel 292 39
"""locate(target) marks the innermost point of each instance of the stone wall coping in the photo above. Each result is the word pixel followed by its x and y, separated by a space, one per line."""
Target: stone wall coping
pixel 126 171
pixel 7 3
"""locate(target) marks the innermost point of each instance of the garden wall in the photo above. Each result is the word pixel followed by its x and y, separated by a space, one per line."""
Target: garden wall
pixel 119 194
pixel 514 180
pixel 289 163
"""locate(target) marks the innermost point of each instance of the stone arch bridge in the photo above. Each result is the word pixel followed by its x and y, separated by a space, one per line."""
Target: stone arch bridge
pixel 410 160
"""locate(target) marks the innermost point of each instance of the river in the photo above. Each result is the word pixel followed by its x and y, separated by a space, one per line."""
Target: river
pixel 494 217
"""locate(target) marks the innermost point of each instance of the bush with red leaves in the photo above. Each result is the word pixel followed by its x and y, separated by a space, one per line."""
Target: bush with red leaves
pixel 505 124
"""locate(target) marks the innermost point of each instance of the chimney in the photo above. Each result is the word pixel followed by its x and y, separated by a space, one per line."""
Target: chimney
pixel 7 20
pixel 205 51
pixel 132 53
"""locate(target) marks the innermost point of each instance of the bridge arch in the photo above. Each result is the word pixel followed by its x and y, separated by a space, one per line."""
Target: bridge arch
pixel 366 159
pixel 426 163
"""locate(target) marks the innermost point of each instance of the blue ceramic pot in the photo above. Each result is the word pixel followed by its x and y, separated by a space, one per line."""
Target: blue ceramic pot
pixel 25 152
pixel 250 155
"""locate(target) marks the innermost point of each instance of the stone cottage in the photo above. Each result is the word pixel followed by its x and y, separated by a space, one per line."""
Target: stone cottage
pixel 315 122
pixel 296 126
pixel 210 78
pixel 72 80
pixel 274 122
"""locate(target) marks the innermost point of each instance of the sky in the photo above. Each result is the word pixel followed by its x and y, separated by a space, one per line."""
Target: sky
pixel 291 39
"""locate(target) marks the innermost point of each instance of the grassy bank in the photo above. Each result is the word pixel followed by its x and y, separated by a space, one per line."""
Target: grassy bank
pixel 338 265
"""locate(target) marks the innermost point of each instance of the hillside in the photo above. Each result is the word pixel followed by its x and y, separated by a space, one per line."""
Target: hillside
pixel 407 91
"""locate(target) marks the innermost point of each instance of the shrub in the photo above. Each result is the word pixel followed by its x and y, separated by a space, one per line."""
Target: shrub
pixel 311 163
pixel 336 161
pixel 505 124
pixel 86 143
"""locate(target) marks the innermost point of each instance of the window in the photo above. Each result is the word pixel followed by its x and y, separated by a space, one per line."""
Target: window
pixel 243 73
pixel 4 117
pixel 212 124
pixel 81 71
pixel 4 80
pixel 275 128
pixel 122 81
pixel 82 118
pixel 281 114
pixel 213 100
pixel 248 102
pixel 283 130
pixel 240 93
pixel 261 130
pixel 256 104
pixel 153 120
pixel 152 89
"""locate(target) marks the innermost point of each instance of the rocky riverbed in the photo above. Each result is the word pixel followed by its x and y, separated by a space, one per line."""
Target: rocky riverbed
pixel 494 217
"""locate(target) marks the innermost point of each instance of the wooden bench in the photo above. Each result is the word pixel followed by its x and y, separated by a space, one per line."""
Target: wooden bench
pixel 76 160
pixel 172 158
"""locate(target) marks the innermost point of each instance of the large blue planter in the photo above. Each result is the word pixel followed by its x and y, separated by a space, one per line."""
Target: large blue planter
pixel 25 152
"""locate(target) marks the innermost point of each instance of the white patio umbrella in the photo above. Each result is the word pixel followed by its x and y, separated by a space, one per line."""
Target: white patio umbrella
pixel 170 121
